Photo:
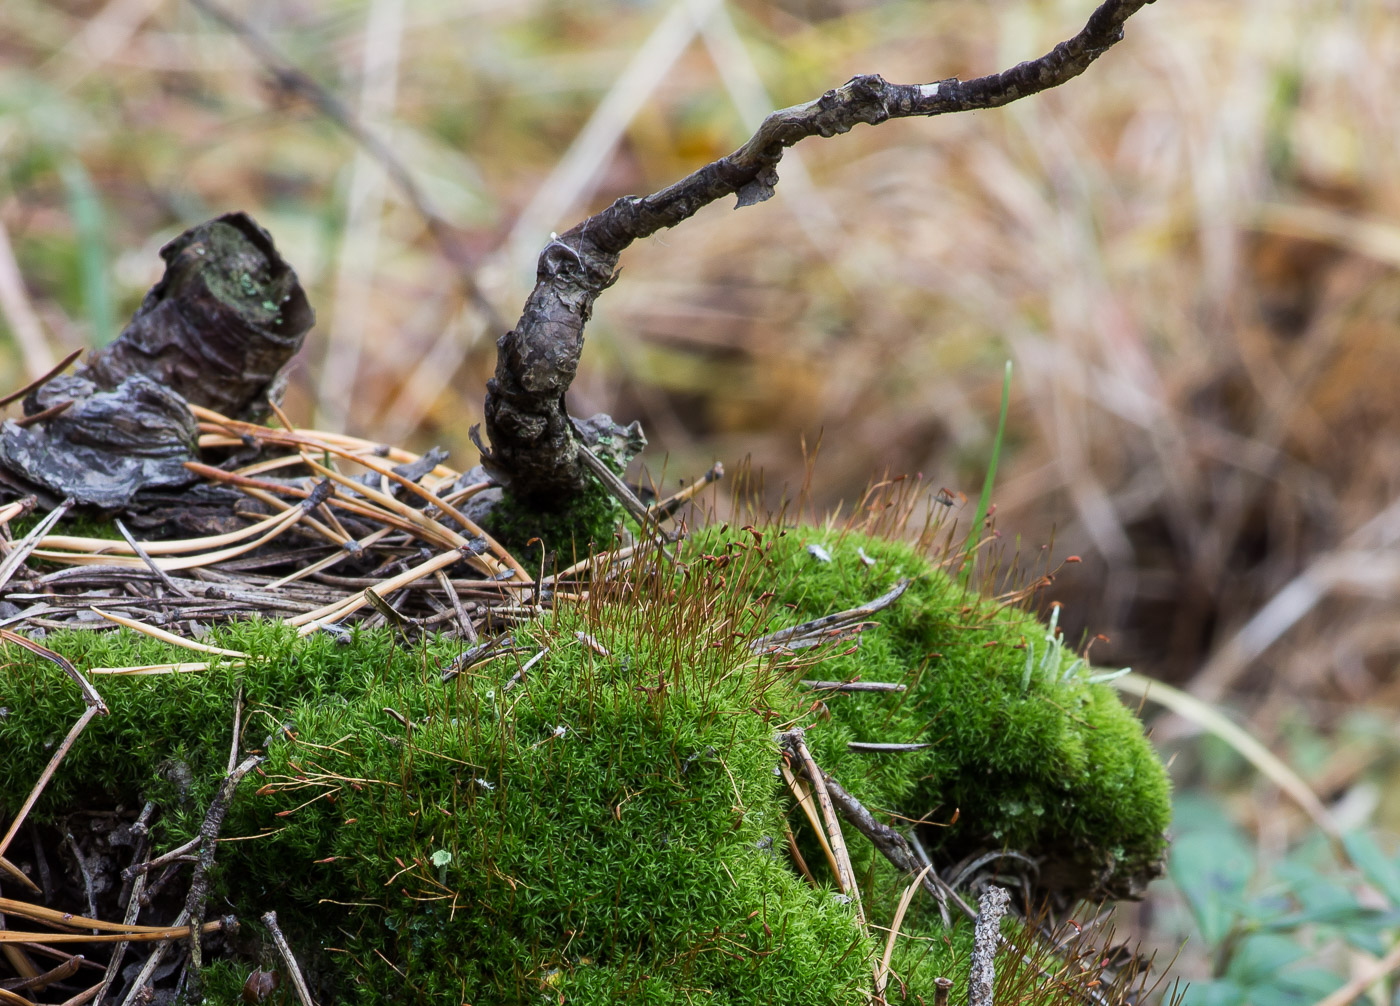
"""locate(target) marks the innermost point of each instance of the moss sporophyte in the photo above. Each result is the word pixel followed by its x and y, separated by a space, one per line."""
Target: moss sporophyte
pixel 596 813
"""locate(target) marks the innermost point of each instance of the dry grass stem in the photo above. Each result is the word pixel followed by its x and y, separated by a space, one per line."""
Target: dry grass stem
pixel 882 975
pixel 802 792
pixel 20 316
pixel 168 637
pixel 1365 978
pixel 284 948
pixel 1269 764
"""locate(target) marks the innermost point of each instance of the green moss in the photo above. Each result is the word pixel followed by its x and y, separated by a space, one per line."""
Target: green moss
pixel 1035 759
pixel 592 518
pixel 80 522
pixel 611 828
pixel 588 525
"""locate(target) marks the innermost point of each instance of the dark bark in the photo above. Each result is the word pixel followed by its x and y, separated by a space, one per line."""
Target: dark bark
pixel 220 325
pixel 218 330
pixel 532 444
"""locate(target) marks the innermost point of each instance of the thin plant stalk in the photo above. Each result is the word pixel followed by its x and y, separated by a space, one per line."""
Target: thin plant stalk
pixel 985 500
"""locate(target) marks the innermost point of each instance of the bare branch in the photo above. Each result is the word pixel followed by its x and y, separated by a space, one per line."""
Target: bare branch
pixel 209 835
pixel 532 444
pixel 984 948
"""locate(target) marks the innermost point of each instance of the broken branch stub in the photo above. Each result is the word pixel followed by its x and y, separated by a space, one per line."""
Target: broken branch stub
pixel 218 330
pixel 221 324
pixel 532 450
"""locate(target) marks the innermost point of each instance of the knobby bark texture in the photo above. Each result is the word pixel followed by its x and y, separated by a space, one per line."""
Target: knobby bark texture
pixel 983 976
pixel 533 447
pixel 218 330
pixel 222 324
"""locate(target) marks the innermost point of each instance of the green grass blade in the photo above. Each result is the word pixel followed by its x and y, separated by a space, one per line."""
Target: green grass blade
pixel 985 501
pixel 89 220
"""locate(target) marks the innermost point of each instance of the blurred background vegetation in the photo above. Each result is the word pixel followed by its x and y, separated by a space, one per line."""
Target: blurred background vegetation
pixel 1190 253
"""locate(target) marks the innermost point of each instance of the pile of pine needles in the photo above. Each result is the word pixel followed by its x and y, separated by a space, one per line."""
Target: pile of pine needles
pixel 420 564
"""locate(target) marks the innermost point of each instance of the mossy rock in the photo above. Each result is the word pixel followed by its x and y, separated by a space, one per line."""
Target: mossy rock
pixel 611 827
pixel 1029 751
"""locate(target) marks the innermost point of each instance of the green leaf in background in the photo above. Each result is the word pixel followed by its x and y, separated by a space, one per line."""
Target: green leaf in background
pixel 1212 868
pixel 1300 987
pixel 1305 892
pixel 984 502
pixel 1215 993
pixel 1306 985
pixel 1261 973
pixel 1381 871
pixel 89 220
pixel 1259 958
pixel 1371 936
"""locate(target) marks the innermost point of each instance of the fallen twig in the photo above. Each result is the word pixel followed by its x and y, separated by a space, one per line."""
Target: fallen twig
pixel 21 549
pixel 793 637
pixel 877 748
pixel 854 686
pixel 795 742
pixel 986 939
pixel 463 619
pixel 900 853
pixel 152 962
pixel 284 948
pixel 208 835
pixel 145 557
pixel 890 842
pixel 133 910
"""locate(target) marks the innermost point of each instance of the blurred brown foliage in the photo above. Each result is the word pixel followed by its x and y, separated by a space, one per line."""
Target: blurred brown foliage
pixel 1190 252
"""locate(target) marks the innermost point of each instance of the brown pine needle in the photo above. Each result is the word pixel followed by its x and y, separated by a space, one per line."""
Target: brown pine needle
pixel 167 637
pixel 803 792
pixel 882 974
pixel 358 507
pixel 112 547
pixel 334 612
pixel 327 562
pixel 39 382
pixel 44 778
pixel 90 695
pixel 279 524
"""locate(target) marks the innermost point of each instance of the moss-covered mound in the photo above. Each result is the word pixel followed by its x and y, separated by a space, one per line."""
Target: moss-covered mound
pixel 1029 750
pixel 608 825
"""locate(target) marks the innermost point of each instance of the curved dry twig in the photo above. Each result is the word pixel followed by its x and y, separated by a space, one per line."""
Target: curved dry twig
pixel 533 448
